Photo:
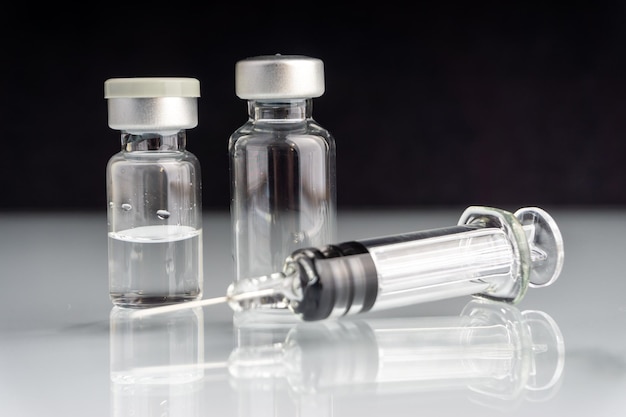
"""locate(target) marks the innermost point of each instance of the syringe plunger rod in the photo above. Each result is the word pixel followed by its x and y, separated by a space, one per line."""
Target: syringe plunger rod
pixel 490 253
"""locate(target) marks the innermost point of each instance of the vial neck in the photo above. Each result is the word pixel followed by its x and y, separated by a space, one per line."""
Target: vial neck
pixel 154 141
pixel 291 110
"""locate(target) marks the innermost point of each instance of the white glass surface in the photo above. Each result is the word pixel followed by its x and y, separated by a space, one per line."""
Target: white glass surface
pixel 58 356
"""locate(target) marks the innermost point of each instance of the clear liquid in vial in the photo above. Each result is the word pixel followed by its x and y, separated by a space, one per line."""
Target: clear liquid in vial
pixel 153 265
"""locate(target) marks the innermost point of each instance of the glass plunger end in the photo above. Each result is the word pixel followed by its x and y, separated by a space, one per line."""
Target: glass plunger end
pixel 545 243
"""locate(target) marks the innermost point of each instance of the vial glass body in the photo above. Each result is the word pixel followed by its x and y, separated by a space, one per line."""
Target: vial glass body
pixel 283 196
pixel 154 221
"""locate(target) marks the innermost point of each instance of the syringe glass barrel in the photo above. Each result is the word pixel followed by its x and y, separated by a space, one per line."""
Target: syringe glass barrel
pixel 490 253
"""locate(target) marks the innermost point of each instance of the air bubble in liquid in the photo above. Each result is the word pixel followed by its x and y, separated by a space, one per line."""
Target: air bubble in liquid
pixel 126 207
pixel 163 214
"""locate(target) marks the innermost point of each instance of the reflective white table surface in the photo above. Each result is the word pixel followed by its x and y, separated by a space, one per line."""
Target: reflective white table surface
pixel 65 351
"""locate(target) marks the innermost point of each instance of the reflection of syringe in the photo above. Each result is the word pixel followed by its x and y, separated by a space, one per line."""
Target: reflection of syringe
pixel 492 350
pixel 490 253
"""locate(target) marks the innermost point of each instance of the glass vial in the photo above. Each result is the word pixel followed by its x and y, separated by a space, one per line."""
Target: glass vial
pixel 154 193
pixel 282 164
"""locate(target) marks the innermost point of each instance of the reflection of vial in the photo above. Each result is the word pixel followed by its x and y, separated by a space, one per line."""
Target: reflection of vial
pixel 154 193
pixel 282 164
pixel 156 363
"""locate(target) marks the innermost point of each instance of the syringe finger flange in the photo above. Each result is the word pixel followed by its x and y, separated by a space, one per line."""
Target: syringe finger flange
pixel 513 289
pixel 536 243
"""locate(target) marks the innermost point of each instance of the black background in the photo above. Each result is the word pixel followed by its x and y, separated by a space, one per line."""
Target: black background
pixel 504 104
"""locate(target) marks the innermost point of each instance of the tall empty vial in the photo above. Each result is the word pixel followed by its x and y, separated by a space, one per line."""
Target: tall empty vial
pixel 282 164
pixel 154 192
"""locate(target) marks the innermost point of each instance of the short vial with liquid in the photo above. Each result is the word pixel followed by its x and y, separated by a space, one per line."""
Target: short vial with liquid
pixel 282 164
pixel 154 193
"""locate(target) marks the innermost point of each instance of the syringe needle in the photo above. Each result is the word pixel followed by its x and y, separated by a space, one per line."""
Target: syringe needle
pixel 177 307
pixel 202 303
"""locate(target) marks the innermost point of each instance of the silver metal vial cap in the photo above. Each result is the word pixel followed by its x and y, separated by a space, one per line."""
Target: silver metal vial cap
pixel 152 103
pixel 279 77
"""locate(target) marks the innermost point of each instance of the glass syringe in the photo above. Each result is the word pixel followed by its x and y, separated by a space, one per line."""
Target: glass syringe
pixel 490 253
